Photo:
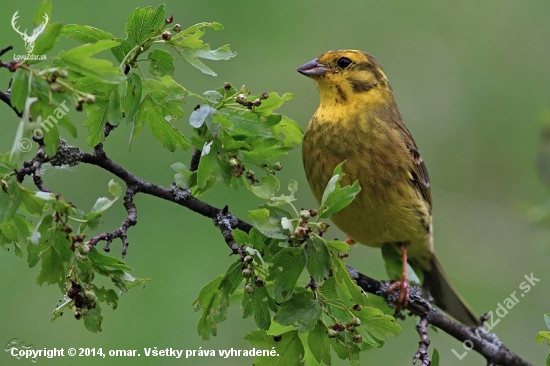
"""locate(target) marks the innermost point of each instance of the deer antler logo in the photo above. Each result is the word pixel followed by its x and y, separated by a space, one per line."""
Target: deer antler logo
pixel 29 40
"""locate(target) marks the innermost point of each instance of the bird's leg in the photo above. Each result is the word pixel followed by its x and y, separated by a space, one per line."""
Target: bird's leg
pixel 403 284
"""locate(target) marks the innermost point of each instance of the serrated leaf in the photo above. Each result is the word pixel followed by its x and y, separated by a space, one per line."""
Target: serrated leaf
pixel 151 112
pixel 288 347
pixel 273 102
pixel 85 33
pixel 95 122
pixel 191 58
pixel 213 96
pixel 335 198
pixel 338 246
pixel 93 319
pixel 287 266
pixel 79 59
pixel 346 287
pixel 161 62
pixel 20 89
pixel 270 185
pixel 304 312
pixel 47 40
pixel 318 259
pixel 319 344
pixel 143 23
pixel 208 300
pixel 208 168
pixel 268 225
pixel 288 132
pixel 258 304
pixel 132 98
pixel 380 325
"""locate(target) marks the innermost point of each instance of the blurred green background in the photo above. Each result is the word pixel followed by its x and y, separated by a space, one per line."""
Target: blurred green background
pixel 472 81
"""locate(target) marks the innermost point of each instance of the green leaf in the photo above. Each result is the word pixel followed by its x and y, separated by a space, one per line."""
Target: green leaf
pixel 258 304
pixel 347 288
pixel 543 336
pixel 85 33
pixel 274 101
pixel 318 259
pixel 121 50
pixel 144 23
pixel 54 257
pixel 287 265
pixel 45 8
pixel 267 224
pixel 270 185
pixel 95 121
pixel 213 96
pixel 547 320
pixel 132 98
pixel 151 112
pixel 79 59
pixel 93 319
pixel 103 203
pixel 319 344
pixel 184 178
pixel 304 312
pixel 33 205
pixel 338 246
pixel 378 324
pixel 20 89
pixel 47 40
pixel 208 300
pixel 336 198
pixel 208 168
pixel 198 116
pixel 162 62
pixel 286 349
pixel 288 132
pixel 435 358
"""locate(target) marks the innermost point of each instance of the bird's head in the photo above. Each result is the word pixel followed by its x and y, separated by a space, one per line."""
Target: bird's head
pixel 348 76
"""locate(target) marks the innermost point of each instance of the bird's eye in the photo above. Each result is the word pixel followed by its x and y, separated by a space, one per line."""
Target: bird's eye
pixel 343 62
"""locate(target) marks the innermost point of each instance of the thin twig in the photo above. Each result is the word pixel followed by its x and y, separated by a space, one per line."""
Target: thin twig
pixel 130 221
pixel 422 353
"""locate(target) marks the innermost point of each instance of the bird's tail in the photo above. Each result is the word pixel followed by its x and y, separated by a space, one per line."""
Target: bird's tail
pixel 445 296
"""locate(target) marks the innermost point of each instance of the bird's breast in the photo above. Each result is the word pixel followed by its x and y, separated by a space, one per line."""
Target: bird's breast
pixel 388 208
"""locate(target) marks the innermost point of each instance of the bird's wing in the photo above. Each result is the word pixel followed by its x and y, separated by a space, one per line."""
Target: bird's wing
pixel 419 172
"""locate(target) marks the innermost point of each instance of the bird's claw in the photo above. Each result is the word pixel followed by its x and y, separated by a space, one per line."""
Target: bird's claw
pixel 403 296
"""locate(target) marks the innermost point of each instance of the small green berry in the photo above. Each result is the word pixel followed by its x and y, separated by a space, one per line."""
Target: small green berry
pixel 332 333
pixel 248 259
pixel 305 215
pixel 249 289
pixel 247 273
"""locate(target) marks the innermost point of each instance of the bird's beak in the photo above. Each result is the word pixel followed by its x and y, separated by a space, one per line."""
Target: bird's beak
pixel 313 68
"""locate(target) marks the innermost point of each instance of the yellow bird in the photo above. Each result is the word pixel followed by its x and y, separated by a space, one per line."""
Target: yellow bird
pixel 358 120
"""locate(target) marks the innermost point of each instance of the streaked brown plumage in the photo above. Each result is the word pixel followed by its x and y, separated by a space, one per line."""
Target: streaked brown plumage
pixel 358 120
